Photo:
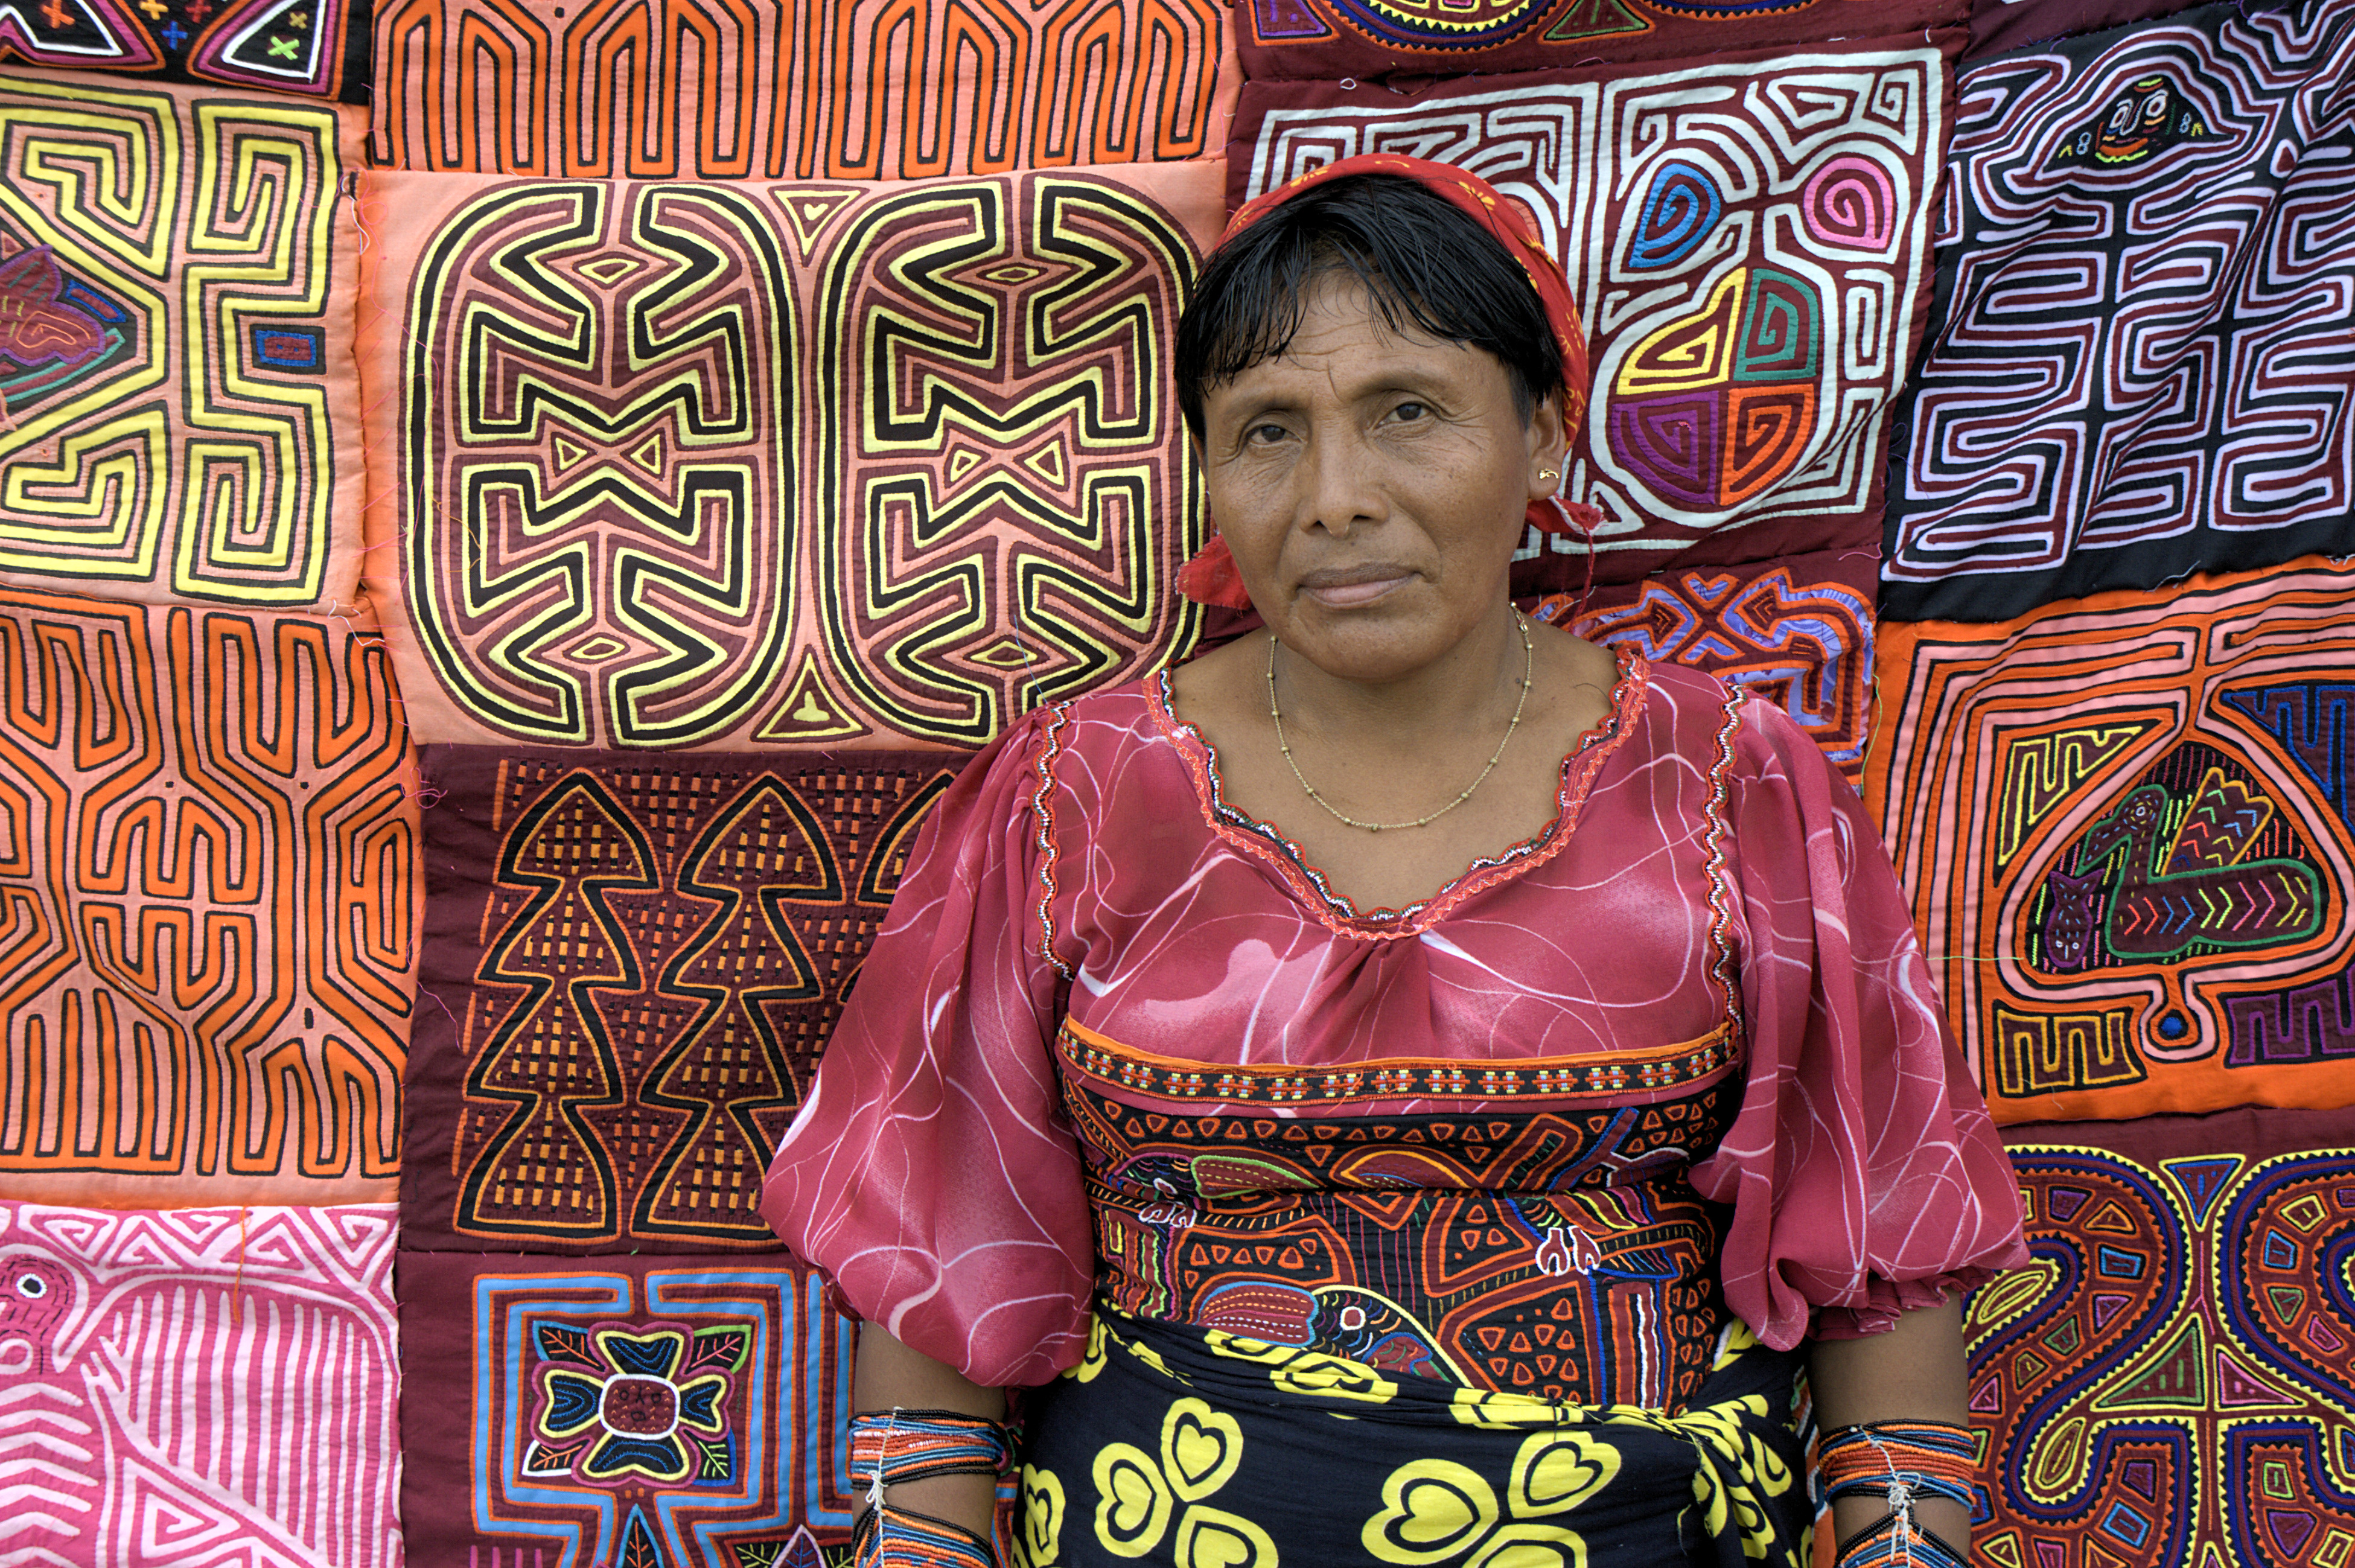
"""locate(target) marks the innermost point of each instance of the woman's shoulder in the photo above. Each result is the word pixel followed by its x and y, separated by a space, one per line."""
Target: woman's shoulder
pixel 1689 707
pixel 1078 743
pixel 1054 764
pixel 1735 743
pixel 1672 709
pixel 1133 713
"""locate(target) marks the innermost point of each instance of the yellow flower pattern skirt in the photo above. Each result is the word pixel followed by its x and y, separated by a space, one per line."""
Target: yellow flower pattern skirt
pixel 1171 1444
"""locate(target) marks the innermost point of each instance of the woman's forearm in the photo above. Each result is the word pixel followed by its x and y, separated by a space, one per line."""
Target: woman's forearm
pixel 1913 1372
pixel 890 1375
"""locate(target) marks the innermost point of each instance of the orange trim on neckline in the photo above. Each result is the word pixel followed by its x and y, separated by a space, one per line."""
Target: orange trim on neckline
pixel 1595 1075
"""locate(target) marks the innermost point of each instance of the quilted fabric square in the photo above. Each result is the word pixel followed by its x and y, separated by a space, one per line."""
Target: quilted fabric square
pixel 197 1386
pixel 179 403
pixel 1330 39
pixel 208 858
pixel 2125 825
pixel 2138 363
pixel 632 964
pixel 625 1411
pixel 833 89
pixel 317 47
pixel 1752 300
pixel 2167 1382
pixel 1999 26
pixel 1797 632
pixel 757 464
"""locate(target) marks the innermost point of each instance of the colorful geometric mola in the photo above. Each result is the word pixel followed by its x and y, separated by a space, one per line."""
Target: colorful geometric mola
pixel 1752 302
pixel 211 869
pixel 622 1411
pixel 632 967
pixel 179 403
pixel 316 47
pixel 2166 1382
pixel 1797 632
pixel 759 465
pixel 1330 40
pixel 767 89
pixel 2126 825
pixel 2138 365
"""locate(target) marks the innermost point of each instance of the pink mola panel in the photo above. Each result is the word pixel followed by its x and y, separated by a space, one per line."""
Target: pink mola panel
pixel 754 464
pixel 199 1387
pixel 1748 238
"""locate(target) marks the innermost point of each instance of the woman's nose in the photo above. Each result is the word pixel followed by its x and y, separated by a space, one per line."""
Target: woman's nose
pixel 1339 483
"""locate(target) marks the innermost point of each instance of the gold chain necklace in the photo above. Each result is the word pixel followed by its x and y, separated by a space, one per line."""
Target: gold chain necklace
pixel 1528 669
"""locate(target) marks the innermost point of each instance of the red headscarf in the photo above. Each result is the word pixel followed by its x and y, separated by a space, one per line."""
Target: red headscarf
pixel 1211 577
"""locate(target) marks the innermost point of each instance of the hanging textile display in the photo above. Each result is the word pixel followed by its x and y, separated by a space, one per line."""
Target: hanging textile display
pixel 210 831
pixel 179 404
pixel 2137 365
pixel 2166 1382
pixel 632 966
pixel 317 47
pixel 747 465
pixel 757 89
pixel 197 1386
pixel 1331 39
pixel 622 1411
pixel 2124 823
pixel 1751 302
pixel 1999 25
pixel 1797 632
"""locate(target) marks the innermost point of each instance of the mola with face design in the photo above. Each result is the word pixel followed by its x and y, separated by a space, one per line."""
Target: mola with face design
pixel 2145 118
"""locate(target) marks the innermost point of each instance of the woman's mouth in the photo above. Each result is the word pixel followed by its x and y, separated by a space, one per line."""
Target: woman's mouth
pixel 1358 585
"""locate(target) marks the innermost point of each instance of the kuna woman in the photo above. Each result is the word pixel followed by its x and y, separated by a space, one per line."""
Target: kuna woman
pixel 1406 1086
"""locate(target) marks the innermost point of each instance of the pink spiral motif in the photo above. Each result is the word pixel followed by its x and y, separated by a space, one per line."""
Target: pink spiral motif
pixel 1850 203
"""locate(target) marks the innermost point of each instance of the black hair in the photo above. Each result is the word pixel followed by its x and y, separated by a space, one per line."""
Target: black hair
pixel 1422 261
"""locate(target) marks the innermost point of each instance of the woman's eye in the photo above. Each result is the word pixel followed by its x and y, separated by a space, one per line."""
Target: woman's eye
pixel 1264 434
pixel 1411 410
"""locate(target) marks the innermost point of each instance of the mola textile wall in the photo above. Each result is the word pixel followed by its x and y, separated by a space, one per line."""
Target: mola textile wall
pixel 511 513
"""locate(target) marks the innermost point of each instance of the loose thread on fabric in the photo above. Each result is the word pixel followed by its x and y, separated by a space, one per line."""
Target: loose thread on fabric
pixel 350 192
pixel 436 998
pixel 1871 716
pixel 1586 532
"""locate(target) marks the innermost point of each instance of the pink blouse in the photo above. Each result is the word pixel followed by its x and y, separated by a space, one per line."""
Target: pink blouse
pixel 1707 874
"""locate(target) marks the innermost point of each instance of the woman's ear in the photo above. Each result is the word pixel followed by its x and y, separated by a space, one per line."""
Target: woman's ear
pixel 1548 446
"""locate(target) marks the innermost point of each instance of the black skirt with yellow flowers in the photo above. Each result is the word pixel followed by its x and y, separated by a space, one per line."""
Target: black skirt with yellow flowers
pixel 1172 1445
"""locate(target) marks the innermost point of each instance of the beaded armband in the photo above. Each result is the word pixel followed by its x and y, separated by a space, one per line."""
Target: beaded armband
pixel 893 1447
pixel 1900 1462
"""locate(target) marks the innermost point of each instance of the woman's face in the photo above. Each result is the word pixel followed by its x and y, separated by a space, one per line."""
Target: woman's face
pixel 1372 484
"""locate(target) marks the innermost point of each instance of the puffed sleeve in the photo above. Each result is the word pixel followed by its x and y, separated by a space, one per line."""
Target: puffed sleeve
pixel 930 1171
pixel 1864 1171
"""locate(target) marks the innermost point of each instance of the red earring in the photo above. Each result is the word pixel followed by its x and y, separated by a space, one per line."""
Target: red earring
pixel 1212 577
